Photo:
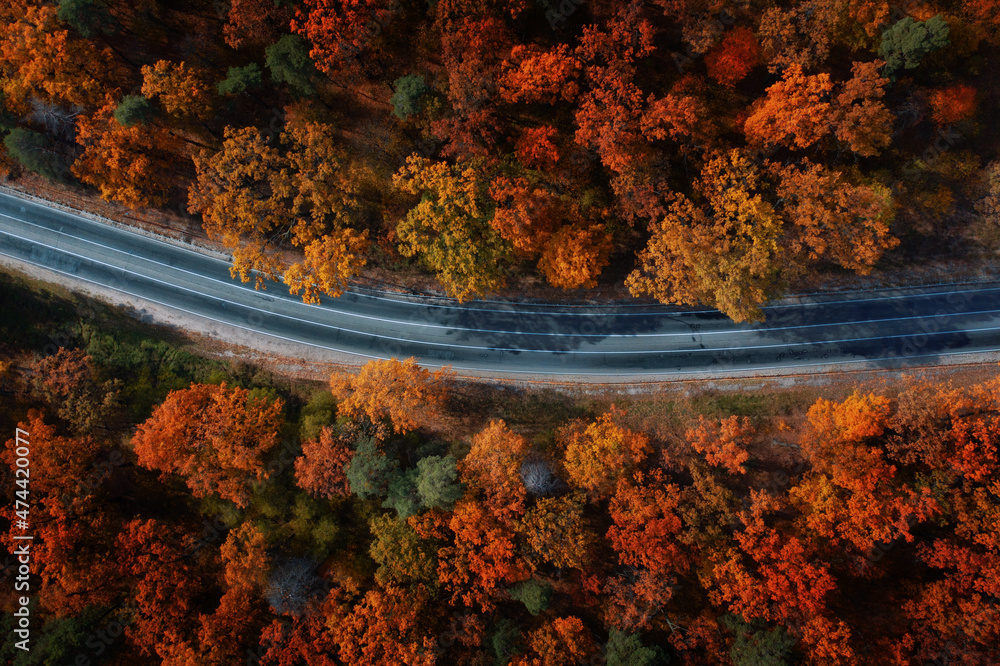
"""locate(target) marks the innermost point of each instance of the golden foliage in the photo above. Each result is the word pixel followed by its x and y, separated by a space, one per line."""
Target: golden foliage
pixel 126 164
pixel 258 200
pixel 450 226
pixel 599 454
pixel 575 255
pixel 403 392
pixel 726 254
pixel 38 57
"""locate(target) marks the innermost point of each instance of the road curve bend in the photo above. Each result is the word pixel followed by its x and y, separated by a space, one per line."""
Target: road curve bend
pixel 918 326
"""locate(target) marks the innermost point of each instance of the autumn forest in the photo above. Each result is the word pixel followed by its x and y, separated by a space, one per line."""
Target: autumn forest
pixel 192 511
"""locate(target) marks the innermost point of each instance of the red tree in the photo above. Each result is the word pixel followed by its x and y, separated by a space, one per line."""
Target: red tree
pixel 320 469
pixel 339 30
pixel 493 466
pixel 953 104
pixel 214 436
pixel 776 577
pixel 735 57
pixel 535 149
pixel 388 626
pixel 646 525
pixel 483 559
pixel 723 443
pixel 168 584
pixel 254 23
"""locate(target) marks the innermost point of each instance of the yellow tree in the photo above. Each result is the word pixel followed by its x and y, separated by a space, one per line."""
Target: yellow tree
pixel 555 531
pixel 178 87
pixel 234 196
pixel 403 392
pixel 244 555
pixel 260 200
pixel 404 558
pixel 449 228
pixel 597 455
pixel 725 253
pixel 562 641
pixel 327 264
pixel 317 180
pixel 323 192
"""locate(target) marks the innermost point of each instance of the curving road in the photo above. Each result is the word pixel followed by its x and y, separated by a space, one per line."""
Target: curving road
pixel 859 329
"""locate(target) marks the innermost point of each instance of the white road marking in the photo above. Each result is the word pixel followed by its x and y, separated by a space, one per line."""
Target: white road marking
pixel 462 307
pixel 657 373
pixel 384 320
pixel 463 347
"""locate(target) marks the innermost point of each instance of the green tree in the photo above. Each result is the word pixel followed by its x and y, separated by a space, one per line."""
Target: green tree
pixel 288 61
pixel 906 43
pixel 506 641
pixel 133 109
pixel 534 594
pixel 318 412
pixel 402 493
pixel 59 640
pixel 39 153
pixel 407 100
pixel 240 79
pixel 437 481
pixel 89 17
pixel 370 470
pixel 627 650
pixel 403 557
pixel 756 646
pixel 311 526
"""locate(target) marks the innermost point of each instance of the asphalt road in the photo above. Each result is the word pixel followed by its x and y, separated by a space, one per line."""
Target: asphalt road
pixel 859 329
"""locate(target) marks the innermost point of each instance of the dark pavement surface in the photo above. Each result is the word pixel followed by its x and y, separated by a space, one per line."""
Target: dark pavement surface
pixel 873 329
